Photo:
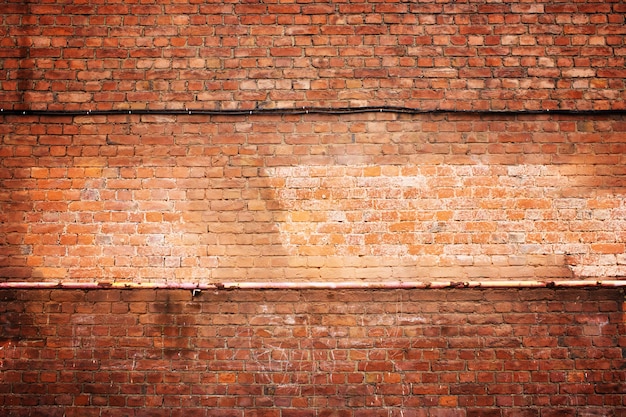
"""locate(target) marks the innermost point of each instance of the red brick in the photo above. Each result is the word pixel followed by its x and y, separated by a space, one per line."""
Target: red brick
pixel 205 198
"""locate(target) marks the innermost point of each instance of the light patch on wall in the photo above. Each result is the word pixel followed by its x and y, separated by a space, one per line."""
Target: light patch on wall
pixel 449 221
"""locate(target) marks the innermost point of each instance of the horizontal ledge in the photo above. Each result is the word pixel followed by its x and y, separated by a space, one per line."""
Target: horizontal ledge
pixel 302 110
pixel 336 285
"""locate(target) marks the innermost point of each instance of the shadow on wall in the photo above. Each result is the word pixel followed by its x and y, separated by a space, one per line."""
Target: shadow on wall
pixel 16 68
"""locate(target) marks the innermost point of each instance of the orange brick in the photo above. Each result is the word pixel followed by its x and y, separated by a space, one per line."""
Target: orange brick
pixel 608 247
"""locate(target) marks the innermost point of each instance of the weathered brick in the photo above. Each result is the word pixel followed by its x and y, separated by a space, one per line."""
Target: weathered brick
pixel 280 358
pixel 178 28
pixel 193 198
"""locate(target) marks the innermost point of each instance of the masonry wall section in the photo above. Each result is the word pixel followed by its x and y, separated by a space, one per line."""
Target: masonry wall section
pixel 471 55
pixel 465 353
pixel 311 197
pixel 487 184
pixel 300 197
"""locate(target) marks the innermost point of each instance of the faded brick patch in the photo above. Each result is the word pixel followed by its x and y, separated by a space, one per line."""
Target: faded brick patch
pixel 465 221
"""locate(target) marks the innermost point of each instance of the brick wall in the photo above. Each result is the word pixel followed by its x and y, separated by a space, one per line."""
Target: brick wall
pixel 498 188
pixel 465 353
pixel 327 197
pixel 368 196
pixel 446 54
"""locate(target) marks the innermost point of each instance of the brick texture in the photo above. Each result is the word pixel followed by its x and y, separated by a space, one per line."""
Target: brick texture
pixel 312 197
pixel 368 196
pixel 462 353
pixel 447 54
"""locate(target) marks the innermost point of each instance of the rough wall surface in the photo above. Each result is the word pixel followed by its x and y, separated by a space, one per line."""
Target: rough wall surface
pixel 479 55
pixel 370 196
pixel 312 197
pixel 444 353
